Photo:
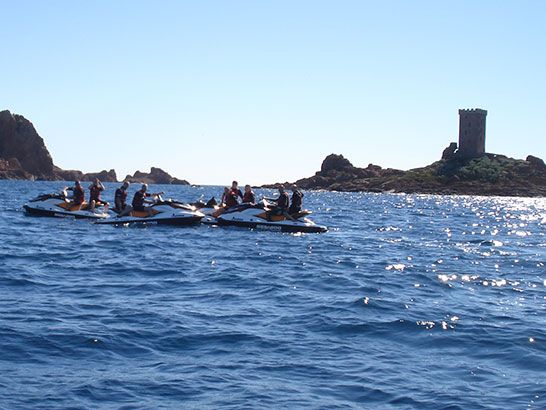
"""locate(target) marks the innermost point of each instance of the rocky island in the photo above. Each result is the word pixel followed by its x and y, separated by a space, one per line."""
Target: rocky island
pixel 23 155
pixel 464 169
pixel 490 174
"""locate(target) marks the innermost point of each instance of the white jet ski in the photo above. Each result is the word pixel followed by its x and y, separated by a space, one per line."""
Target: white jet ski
pixel 259 217
pixel 163 212
pixel 58 205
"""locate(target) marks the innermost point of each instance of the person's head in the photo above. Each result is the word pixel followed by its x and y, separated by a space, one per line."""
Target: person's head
pixel 125 185
pixel 234 185
pixel 281 189
pixel 77 183
pixel 294 188
pixel 97 181
pixel 226 190
pixel 247 188
pixel 144 187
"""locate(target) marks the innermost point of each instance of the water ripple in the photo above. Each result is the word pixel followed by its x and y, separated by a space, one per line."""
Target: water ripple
pixel 409 301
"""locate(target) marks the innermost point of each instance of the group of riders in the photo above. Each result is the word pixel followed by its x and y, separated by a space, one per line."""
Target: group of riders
pixel 283 205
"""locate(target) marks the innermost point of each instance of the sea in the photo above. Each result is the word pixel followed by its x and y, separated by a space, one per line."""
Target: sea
pixel 407 302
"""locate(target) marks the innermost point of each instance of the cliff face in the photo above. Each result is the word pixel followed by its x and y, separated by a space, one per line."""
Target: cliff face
pixel 489 174
pixel 23 155
pixel 20 141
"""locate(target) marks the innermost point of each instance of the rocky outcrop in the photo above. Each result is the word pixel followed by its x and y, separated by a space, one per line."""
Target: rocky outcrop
pixel 536 162
pixel 490 174
pixel 19 140
pixel 450 151
pixel 337 173
pixel 73 175
pixel 155 176
pixel 23 155
pixel 334 162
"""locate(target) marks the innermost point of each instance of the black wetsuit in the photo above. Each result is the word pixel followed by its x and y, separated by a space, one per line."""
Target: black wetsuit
pixel 282 205
pixel 120 199
pixel 249 198
pixel 283 201
pixel 79 195
pixel 297 200
pixel 138 200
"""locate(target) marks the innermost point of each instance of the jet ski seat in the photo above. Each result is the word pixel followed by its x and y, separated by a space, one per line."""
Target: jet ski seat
pixel 143 214
pixel 73 208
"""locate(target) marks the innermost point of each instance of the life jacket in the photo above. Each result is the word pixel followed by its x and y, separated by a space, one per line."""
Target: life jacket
pixel 94 193
pixel 249 197
pixel 231 198
pixel 79 195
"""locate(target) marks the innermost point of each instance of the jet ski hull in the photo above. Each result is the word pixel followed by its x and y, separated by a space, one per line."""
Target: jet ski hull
pixel 60 213
pixel 257 217
pixel 273 226
pixel 165 213
pixel 175 221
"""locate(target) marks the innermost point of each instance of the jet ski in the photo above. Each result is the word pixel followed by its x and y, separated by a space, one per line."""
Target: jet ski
pixel 259 217
pixel 162 212
pixel 59 205
pixel 210 209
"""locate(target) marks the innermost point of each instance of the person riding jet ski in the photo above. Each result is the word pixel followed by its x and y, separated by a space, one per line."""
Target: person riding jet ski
pixel 229 198
pixel 95 190
pixel 297 200
pixel 120 200
pixel 78 194
pixel 249 197
pixel 235 189
pixel 281 204
pixel 139 199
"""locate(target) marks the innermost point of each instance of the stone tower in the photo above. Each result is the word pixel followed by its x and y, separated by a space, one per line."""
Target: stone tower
pixel 471 133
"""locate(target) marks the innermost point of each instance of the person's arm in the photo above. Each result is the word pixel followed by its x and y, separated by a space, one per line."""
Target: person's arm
pixel 148 201
pixel 155 195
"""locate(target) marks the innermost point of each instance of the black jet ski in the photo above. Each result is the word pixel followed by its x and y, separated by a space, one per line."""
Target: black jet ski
pixel 163 212
pixel 59 205
pixel 260 217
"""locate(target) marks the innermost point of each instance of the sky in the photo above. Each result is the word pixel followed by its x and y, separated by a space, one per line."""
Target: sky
pixel 262 91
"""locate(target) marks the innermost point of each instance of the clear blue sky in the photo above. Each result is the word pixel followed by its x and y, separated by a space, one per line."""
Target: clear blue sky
pixel 262 91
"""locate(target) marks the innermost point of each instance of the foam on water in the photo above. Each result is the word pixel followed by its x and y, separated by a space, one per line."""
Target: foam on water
pixel 409 301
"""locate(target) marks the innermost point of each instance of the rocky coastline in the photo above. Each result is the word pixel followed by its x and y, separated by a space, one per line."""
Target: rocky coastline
pixel 489 174
pixel 24 155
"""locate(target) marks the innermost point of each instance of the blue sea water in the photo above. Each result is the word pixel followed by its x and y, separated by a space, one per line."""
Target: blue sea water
pixel 409 301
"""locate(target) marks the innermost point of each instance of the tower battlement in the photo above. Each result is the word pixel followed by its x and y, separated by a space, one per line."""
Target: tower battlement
pixel 471 132
pixel 472 111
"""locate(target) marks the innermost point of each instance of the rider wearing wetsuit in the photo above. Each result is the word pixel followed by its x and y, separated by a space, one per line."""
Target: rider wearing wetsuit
pixel 120 197
pixel 140 198
pixel 282 203
pixel 297 200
